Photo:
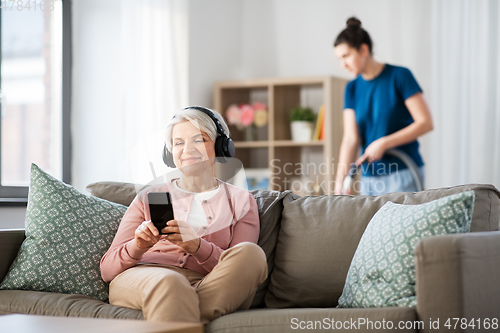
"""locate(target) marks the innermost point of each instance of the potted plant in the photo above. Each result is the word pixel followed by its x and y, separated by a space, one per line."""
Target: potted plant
pixel 301 123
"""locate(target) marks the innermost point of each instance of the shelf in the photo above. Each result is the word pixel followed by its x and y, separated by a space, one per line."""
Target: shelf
pixel 266 82
pixel 278 143
pixel 290 143
pixel 251 144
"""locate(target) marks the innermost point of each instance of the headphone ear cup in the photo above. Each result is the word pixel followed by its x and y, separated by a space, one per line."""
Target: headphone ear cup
pixel 224 148
pixel 230 150
pixel 219 154
pixel 168 158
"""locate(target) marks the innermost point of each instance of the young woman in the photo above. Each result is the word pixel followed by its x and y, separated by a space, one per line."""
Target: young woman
pixel 384 109
pixel 209 263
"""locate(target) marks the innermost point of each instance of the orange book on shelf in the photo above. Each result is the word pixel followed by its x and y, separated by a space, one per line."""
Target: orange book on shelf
pixel 319 123
pixel 322 133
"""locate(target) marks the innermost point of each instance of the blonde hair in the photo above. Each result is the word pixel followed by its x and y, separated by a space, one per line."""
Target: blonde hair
pixel 199 119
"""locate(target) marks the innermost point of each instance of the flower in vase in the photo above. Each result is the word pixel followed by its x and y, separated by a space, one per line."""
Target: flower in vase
pixel 247 115
pixel 233 115
pixel 260 114
pixel 260 118
pixel 259 106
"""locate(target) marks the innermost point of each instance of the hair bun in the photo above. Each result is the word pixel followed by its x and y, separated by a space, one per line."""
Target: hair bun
pixel 353 23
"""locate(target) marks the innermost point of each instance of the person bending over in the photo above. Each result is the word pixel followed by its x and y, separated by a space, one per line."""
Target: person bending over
pixel 384 109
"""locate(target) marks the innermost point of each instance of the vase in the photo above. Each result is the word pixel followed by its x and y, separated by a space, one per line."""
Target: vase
pixel 250 133
pixel 301 131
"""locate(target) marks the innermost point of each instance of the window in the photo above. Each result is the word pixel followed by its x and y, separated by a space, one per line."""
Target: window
pixel 34 93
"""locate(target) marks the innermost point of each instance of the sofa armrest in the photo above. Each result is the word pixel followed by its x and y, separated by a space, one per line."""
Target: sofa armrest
pixel 10 242
pixel 457 277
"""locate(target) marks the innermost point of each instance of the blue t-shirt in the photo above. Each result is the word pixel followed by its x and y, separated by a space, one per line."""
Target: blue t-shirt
pixel 379 106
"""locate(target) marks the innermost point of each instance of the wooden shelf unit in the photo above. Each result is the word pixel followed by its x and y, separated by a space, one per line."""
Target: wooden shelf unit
pixel 275 149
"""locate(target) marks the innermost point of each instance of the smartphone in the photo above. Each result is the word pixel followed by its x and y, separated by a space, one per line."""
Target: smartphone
pixel 160 208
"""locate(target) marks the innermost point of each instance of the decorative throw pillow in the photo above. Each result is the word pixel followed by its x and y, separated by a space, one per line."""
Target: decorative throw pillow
pixel 382 271
pixel 67 233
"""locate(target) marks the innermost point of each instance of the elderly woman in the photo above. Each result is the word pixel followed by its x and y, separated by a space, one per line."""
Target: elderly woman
pixel 208 264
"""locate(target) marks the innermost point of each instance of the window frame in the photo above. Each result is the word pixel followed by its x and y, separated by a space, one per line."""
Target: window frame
pixel 18 195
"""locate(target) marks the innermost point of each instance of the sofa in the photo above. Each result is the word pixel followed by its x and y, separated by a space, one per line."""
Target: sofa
pixel 309 244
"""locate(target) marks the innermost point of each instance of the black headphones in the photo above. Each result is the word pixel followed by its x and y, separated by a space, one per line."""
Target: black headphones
pixel 224 146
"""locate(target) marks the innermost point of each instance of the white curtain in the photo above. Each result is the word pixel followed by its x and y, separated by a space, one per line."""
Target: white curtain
pixel 465 93
pixel 151 81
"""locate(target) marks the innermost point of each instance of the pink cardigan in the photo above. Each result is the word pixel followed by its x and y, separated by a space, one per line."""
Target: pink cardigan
pixel 221 232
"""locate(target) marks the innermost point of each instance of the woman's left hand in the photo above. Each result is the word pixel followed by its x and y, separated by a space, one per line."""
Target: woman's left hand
pixel 181 234
pixel 373 152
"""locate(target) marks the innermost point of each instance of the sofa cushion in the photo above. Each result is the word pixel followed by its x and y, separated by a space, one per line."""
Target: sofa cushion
pixel 382 272
pixel 10 243
pixel 119 192
pixel 55 304
pixel 319 235
pixel 270 204
pixel 317 320
pixel 124 193
pixel 67 233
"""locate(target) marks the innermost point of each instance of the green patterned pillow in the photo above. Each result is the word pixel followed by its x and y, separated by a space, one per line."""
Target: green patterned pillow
pixel 67 233
pixel 382 271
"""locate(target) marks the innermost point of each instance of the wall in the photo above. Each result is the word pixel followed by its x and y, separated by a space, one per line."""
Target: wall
pixel 301 35
pixel 215 45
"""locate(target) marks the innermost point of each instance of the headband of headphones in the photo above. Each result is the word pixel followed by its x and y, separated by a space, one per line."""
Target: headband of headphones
pixel 209 113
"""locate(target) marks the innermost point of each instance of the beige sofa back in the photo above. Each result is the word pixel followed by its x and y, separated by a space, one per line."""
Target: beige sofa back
pixel 319 235
pixel 310 241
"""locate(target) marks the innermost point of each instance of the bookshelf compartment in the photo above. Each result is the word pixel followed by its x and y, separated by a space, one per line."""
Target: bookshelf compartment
pixel 287 97
pixel 274 148
pixel 303 170
pixel 256 157
pixel 244 95
pixel 245 162
pixel 283 166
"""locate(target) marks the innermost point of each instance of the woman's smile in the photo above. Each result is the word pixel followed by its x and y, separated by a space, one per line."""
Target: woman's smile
pixel 190 160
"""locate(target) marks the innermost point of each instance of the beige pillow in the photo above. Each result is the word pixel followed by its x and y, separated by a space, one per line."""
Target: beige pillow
pixel 122 193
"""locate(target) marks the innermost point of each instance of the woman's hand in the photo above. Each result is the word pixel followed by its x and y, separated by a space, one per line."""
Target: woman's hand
pixel 373 152
pixel 181 234
pixel 146 235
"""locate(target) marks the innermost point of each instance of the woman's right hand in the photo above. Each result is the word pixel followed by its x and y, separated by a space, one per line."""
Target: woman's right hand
pixel 146 235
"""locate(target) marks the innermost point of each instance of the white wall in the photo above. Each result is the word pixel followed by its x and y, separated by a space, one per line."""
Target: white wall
pixel 215 45
pixel 299 35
